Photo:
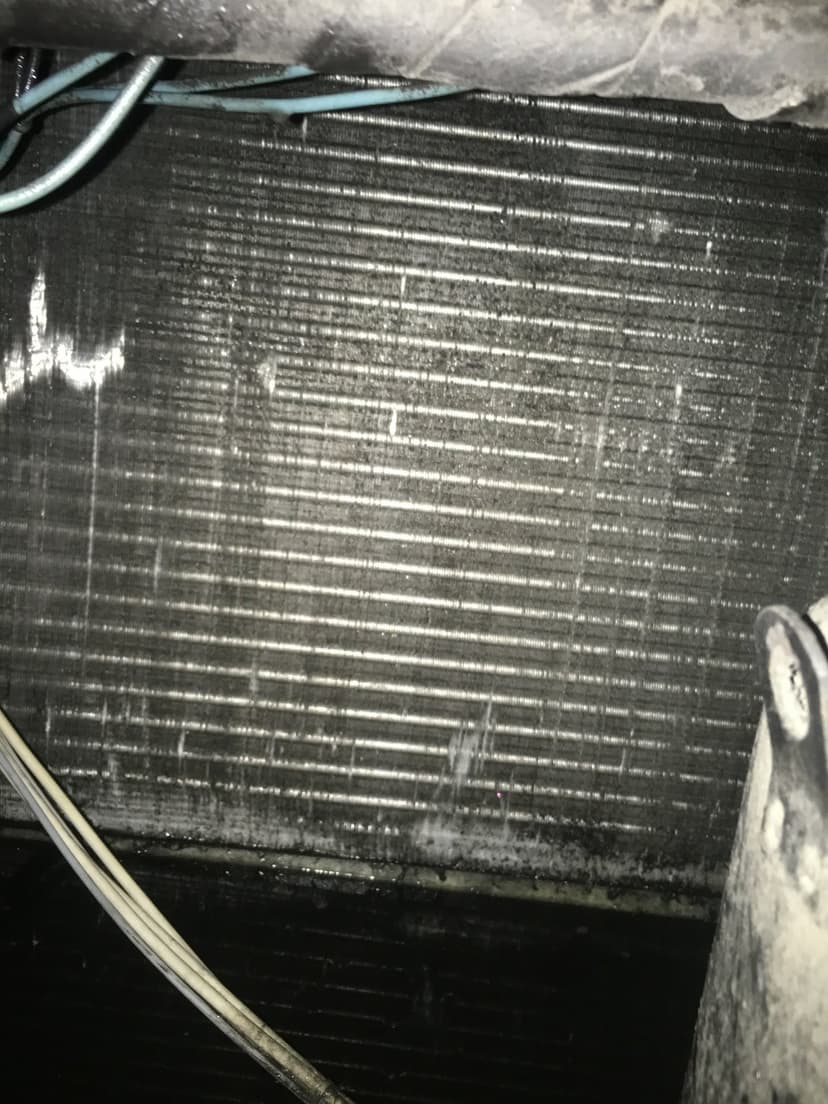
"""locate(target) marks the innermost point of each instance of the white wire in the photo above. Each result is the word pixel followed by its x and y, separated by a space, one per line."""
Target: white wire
pixel 177 963
pixel 97 138
pixel 147 928
pixel 110 895
pixel 78 822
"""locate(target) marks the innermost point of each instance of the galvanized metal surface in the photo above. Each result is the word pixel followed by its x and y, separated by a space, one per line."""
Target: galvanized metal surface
pixel 403 487
pixel 762 1031
pixel 757 57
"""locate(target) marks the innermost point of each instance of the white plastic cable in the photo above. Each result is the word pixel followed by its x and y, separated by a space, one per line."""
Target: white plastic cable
pixel 146 927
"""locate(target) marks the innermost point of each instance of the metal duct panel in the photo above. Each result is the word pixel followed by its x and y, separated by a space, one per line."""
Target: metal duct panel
pixel 758 57
pixel 404 485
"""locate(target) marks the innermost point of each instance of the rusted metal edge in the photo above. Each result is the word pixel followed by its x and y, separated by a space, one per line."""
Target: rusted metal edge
pixel 365 875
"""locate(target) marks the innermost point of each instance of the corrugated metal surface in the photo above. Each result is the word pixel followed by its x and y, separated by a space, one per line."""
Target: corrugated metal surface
pixel 402 998
pixel 426 512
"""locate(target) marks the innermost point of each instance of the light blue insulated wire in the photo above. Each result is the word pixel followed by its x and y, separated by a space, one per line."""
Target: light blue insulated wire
pixel 238 80
pixel 97 138
pixel 52 86
pixel 41 93
pixel 50 89
pixel 9 146
pixel 254 105
pixel 56 92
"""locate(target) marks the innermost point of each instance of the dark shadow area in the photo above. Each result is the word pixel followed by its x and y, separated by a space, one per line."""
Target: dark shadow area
pixel 397 995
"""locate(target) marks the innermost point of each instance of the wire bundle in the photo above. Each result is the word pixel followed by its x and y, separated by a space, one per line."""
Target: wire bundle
pixel 58 91
pixel 150 931
pixel 92 144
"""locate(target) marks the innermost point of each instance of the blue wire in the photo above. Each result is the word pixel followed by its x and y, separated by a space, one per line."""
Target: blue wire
pixel 248 105
pixel 9 146
pixel 56 92
pixel 42 93
pixel 47 89
pixel 97 138
pixel 241 80
pixel 51 88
